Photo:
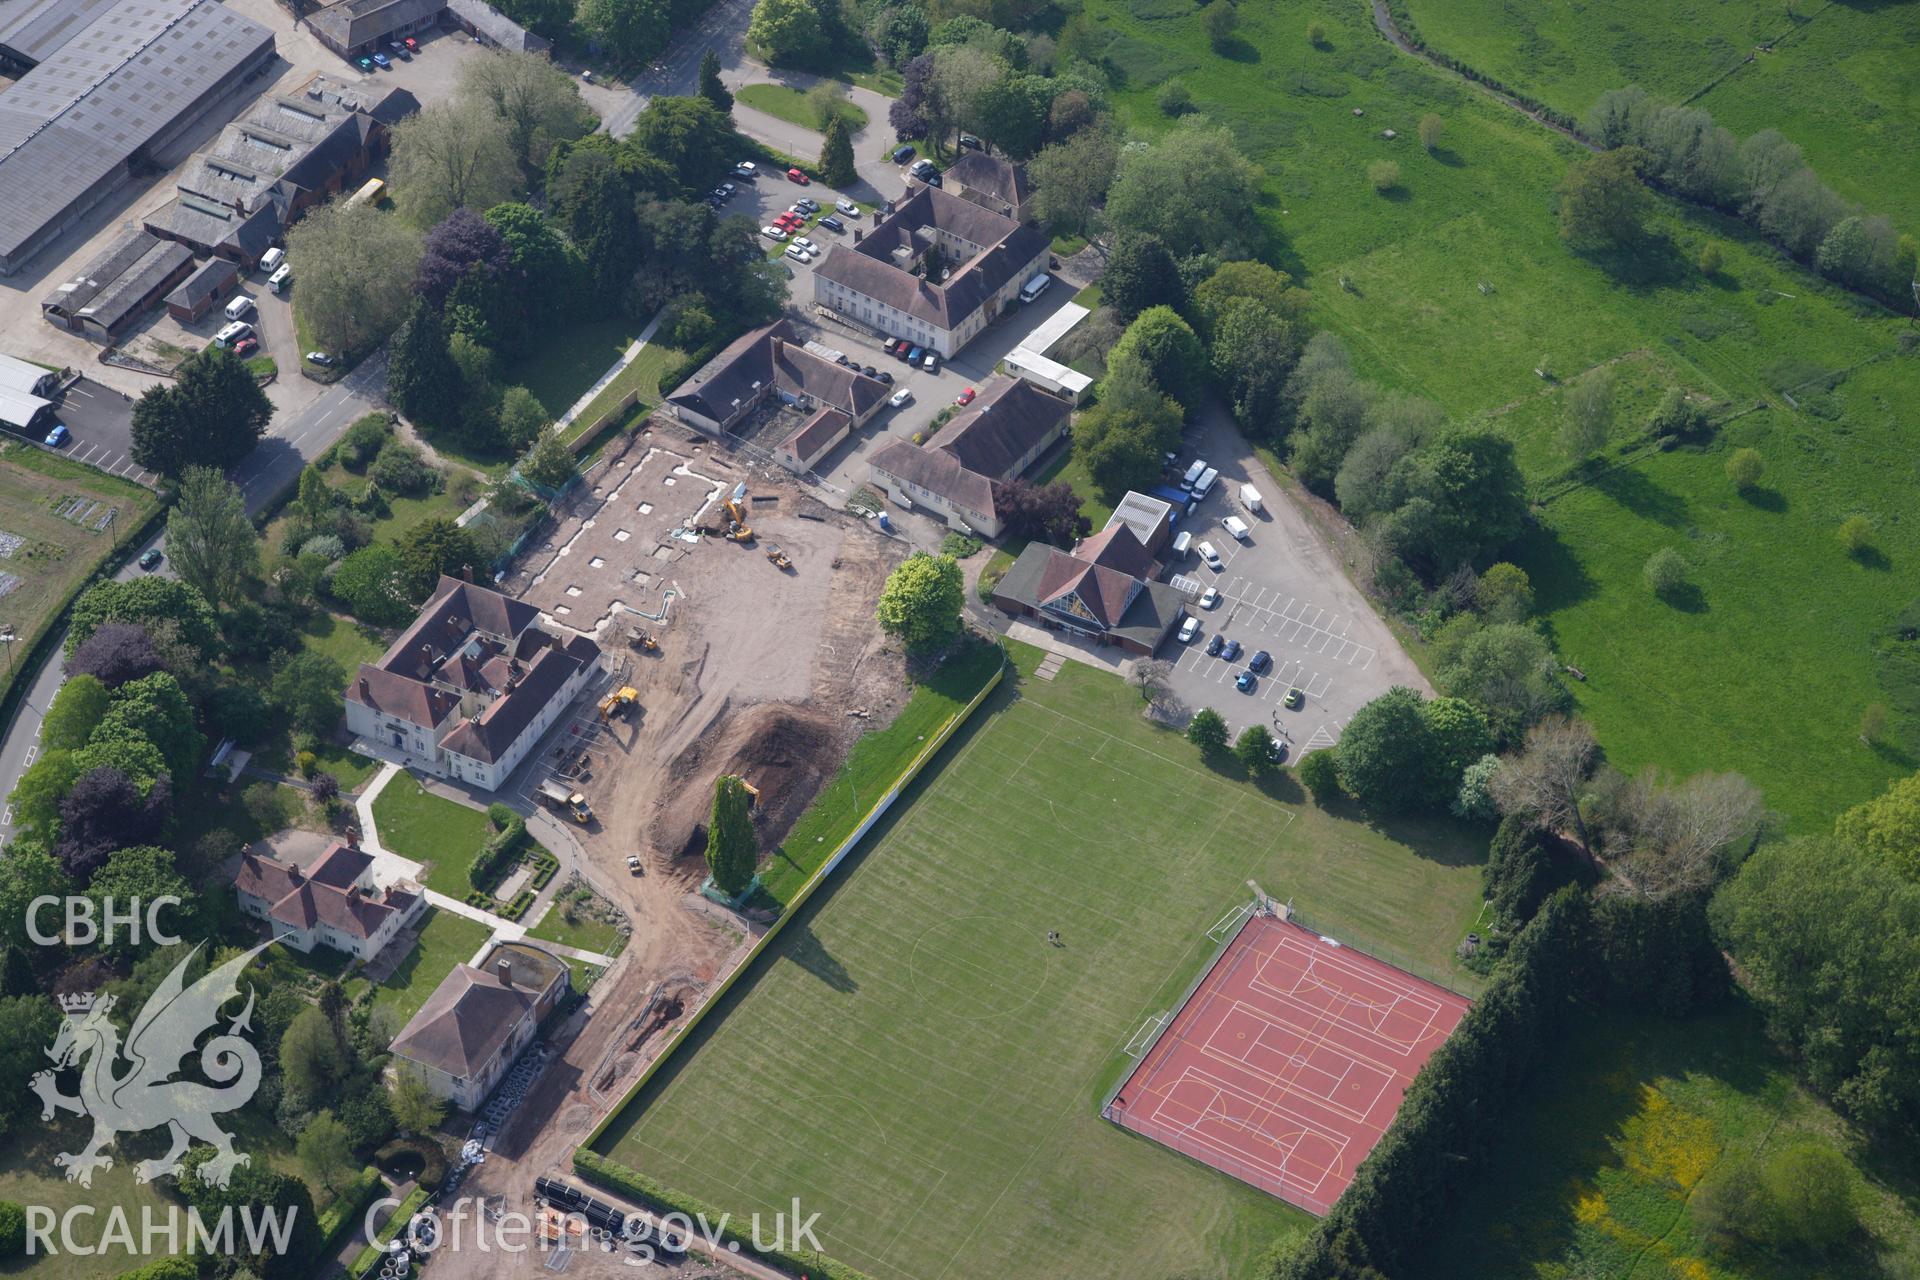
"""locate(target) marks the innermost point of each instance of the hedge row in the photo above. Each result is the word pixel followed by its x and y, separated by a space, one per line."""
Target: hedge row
pixel 367 1261
pixel 544 867
pixel 346 1208
pixel 634 1185
pixel 518 907
pixel 1576 950
pixel 502 851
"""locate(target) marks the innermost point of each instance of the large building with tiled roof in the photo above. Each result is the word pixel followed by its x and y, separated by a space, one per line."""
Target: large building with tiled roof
pixel 1101 591
pixel 478 1020
pixel 470 687
pixel 936 271
pixel 1009 427
pixel 331 903
pixel 772 363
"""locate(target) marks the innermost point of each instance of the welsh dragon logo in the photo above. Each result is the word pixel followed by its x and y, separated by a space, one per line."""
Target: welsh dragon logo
pixel 147 1096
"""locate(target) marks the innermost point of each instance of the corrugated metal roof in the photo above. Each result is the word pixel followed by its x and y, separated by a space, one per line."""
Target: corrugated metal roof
pixel 68 124
pixel 33 31
pixel 23 376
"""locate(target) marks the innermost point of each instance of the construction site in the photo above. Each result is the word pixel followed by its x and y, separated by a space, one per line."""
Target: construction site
pixel 737 612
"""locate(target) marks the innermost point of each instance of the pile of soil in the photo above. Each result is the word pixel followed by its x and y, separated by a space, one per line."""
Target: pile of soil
pixel 787 751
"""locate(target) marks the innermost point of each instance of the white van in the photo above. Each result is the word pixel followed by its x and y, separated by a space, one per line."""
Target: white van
pixel 1194 472
pixel 1181 542
pixel 1250 499
pixel 1211 556
pixel 1235 526
pixel 1035 287
pixel 239 307
pixel 1204 485
pixel 232 333
pixel 278 280
pixel 272 258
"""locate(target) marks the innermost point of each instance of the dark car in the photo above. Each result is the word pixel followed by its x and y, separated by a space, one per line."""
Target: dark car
pixel 1215 644
pixel 902 154
pixel 832 223
pixel 870 371
pixel 151 559
pixel 401 51
pixel 1259 662
pixel 1232 651
pixel 972 143
pixel 885 377
pixel 1244 682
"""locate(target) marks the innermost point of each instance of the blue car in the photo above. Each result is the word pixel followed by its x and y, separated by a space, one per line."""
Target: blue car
pixel 1215 643
pixel 913 356
pixel 1232 650
pixel 1244 682
pixel 382 61
pixel 1259 663
pixel 58 436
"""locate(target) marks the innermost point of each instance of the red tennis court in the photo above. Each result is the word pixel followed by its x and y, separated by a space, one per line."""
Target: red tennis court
pixel 1288 1061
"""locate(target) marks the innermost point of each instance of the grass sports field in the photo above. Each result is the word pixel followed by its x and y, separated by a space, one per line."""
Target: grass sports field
pixel 915 1063
pixel 1773 661
pixel 1838 78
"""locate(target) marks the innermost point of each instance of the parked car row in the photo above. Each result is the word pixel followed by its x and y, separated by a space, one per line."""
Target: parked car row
pixel 403 49
pixel 918 357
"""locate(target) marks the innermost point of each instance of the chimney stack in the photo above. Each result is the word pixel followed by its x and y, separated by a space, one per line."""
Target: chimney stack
pixel 779 347
pixel 504 967
pixel 366 688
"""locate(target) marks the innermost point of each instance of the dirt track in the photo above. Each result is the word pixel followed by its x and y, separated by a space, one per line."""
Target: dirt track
pixel 757 672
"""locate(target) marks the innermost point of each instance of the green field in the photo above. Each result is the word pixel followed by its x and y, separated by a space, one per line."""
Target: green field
pixel 1775 664
pixel 442 833
pixel 1839 78
pixel 446 940
pixel 791 105
pixel 1596 1172
pixel 918 1065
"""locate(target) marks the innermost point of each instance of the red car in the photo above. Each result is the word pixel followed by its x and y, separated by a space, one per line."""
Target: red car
pixel 246 347
pixel 794 175
pixel 413 46
pixel 965 397
pixel 789 220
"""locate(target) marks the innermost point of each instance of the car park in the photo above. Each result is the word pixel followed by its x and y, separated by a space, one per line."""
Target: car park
pixel 1211 556
pixel 1295 699
pixel 382 61
pixel 794 175
pixel 965 397
pixel 58 436
pixel 1189 629
pixel 1215 643
pixel 831 223
pixel 400 51
pixel 1232 652
pixel 1210 598
pixel 1244 682
pixel 901 397
pixel 1259 662
pixel 320 358
pixel 847 207
pixel 150 559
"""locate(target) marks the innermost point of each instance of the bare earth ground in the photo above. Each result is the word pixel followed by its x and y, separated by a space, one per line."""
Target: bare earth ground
pixel 758 672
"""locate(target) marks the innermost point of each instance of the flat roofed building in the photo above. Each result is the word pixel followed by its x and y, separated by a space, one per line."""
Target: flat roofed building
pixel 139 75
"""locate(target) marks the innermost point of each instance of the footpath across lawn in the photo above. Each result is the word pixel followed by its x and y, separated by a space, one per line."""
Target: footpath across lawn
pixel 917 1063
pixel 417 824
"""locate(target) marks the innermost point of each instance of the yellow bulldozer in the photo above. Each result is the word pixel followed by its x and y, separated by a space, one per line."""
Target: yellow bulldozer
pixel 618 702
pixel 779 557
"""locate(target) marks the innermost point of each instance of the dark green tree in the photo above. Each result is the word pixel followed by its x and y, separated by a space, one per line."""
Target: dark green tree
pixel 1385 752
pixel 1207 731
pixel 548 463
pixel 1167 348
pixel 213 413
pixel 733 847
pixel 422 380
pixel 209 536
pixel 920 605
pixel 432 548
pixel 1320 773
pixel 836 153
pixel 1255 750
pixel 372 583
pixel 1141 274
pixel 711 87
pixel 1603 203
pixel 142 874
pixel 155 603
pixel 154 708
pixel 307 690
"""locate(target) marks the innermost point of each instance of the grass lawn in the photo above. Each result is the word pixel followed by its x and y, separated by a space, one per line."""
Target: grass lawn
pixel 417 824
pixel 1761 673
pixel 1596 1172
pixel 1838 80
pixel 567 359
pixel 1070 467
pixel 446 940
pixel 405 512
pixel 925 1072
pixel 641 377
pixel 792 106
pixel 55 554
pixel 585 934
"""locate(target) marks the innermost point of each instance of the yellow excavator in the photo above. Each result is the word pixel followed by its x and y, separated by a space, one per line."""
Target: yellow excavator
pixel 737 530
pixel 618 702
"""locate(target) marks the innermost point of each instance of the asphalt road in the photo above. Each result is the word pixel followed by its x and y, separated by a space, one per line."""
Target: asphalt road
pixel 289 445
